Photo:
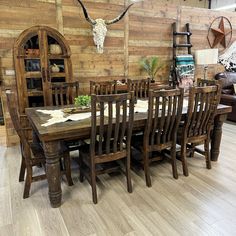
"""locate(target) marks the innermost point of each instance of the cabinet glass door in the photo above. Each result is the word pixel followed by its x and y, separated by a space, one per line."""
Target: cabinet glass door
pixel 33 76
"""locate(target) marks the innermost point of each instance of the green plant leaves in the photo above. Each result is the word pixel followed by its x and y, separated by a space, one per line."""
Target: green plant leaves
pixel 151 66
pixel 83 100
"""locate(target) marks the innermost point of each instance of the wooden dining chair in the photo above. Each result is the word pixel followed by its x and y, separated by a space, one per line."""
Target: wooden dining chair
pixel 139 86
pixel 32 153
pixel 103 87
pixel 160 133
pixel 201 83
pixel 197 126
pixel 110 138
pixel 64 93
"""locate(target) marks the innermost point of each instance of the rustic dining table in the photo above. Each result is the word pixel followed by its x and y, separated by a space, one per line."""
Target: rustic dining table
pixel 52 136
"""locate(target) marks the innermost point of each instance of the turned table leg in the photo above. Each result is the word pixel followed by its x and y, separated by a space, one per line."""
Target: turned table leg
pixel 216 136
pixel 52 152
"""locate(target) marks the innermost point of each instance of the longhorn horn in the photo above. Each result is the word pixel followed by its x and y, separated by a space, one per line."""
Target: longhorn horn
pixel 86 15
pixel 109 22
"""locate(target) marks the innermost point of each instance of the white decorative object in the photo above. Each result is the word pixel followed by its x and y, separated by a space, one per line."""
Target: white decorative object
pixel 228 58
pixel 58 116
pixel 55 68
pixel 100 26
pixel 55 49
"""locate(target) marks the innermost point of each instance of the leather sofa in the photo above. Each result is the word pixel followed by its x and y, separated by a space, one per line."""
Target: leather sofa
pixel 228 96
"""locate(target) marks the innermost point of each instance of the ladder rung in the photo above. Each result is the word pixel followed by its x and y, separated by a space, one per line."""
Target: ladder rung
pixel 187 45
pixel 183 33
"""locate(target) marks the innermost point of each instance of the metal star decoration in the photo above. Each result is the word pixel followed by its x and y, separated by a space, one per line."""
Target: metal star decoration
pixel 221 32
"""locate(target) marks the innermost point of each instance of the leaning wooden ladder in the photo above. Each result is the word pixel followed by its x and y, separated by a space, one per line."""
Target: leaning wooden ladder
pixel 174 77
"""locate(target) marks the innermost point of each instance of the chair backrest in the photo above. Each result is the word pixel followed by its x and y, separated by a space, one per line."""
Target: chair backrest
pixel 202 105
pixel 111 126
pixel 164 114
pixel 103 87
pixel 206 82
pixel 212 82
pixel 140 87
pixel 13 111
pixel 64 93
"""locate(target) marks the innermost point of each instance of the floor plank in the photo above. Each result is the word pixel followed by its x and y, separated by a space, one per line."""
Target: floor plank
pixel 201 204
pixel 2 135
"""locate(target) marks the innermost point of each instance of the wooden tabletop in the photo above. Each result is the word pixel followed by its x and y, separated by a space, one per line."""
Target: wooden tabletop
pixel 80 129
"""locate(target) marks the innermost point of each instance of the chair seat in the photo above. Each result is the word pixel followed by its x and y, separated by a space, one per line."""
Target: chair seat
pixel 137 151
pixel 101 167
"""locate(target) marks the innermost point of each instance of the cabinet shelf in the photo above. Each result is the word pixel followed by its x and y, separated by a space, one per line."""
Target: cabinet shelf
pixel 34 92
pixel 29 56
pixel 60 56
pixel 58 74
pixel 35 74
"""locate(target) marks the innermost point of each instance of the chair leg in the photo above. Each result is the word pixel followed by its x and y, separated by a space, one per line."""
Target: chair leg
pixel 22 170
pixel 183 159
pixel 93 184
pixel 28 182
pixel 81 175
pixel 146 168
pixel 128 176
pixel 192 150
pixel 208 159
pixel 173 162
pixel 67 164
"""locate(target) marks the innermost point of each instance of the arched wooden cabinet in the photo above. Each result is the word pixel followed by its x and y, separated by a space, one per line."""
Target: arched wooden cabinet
pixel 41 57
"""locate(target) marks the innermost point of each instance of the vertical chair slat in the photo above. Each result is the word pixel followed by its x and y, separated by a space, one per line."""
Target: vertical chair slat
pixel 167 120
pixel 117 126
pixel 109 129
pixel 101 128
pixel 123 125
pixel 175 106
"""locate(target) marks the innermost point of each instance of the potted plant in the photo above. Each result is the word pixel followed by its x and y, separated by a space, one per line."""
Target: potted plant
pixel 151 66
pixel 83 101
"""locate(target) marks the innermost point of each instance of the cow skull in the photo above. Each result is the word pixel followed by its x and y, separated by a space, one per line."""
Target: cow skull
pixel 100 26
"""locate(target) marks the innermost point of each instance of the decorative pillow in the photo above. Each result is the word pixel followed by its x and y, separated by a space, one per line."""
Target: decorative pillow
pixel 185 70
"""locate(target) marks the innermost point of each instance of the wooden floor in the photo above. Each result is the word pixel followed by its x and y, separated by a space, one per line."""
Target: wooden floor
pixel 202 204
pixel 2 135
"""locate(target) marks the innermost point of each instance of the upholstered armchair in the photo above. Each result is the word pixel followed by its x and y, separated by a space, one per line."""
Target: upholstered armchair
pixel 228 96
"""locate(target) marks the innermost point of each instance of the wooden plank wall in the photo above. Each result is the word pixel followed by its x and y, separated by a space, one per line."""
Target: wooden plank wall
pixel 150 34
pixel 145 31
pixel 87 64
pixel 15 17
